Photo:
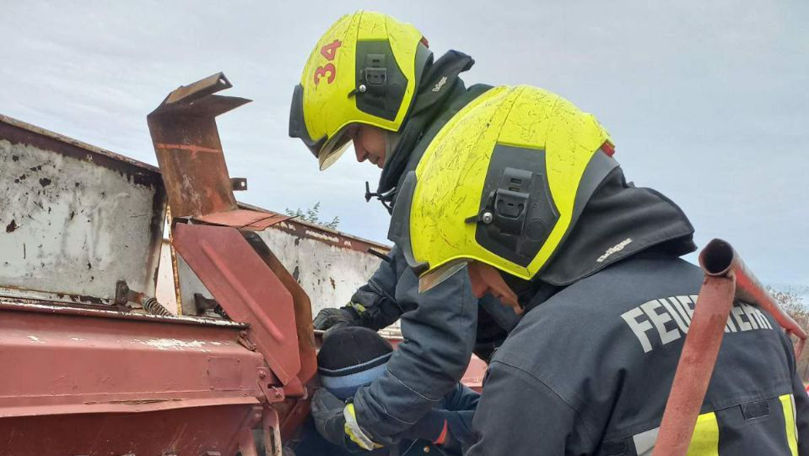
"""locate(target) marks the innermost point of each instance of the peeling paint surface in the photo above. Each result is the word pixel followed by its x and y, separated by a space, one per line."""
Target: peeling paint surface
pixel 73 226
pixel 176 344
pixel 189 286
pixel 329 274
pixel 164 291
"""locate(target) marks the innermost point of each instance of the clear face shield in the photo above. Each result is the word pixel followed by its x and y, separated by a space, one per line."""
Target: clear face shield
pixel 326 150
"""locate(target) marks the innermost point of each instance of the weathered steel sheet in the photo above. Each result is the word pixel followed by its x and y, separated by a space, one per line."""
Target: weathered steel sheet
pixel 97 382
pixel 247 289
pixel 195 430
pixel 75 219
pixel 188 148
pixel 328 265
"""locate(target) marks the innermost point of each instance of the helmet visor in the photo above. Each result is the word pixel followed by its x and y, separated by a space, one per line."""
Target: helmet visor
pixel 333 148
pixel 327 150
pixel 435 277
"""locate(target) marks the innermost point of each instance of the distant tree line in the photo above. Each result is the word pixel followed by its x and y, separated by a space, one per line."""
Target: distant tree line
pixel 795 307
pixel 312 215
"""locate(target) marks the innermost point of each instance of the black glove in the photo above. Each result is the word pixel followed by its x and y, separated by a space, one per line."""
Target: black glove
pixel 333 318
pixel 327 411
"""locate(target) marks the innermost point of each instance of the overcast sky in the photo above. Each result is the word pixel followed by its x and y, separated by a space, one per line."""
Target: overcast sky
pixel 707 102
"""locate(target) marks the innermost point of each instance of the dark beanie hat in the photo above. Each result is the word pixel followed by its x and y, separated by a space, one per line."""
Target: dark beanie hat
pixel 351 357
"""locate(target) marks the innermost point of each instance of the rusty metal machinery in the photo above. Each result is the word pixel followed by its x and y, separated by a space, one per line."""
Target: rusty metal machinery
pixel 84 372
pixel 218 241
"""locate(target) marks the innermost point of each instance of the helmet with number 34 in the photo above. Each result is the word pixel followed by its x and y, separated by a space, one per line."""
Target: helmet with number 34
pixel 363 70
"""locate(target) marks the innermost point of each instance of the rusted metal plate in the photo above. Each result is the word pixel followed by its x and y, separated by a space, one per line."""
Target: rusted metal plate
pixel 68 363
pixel 196 430
pixel 75 218
pixel 246 289
pixel 327 264
pixel 188 148
pixel 307 349
pixel 32 305
pixel 241 218
pixel 93 382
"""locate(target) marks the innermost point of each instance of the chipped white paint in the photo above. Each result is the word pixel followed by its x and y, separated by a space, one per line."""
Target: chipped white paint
pixel 174 344
pixel 71 226
pixel 164 290
pixel 189 286
pixel 35 339
pixel 324 236
pixel 329 274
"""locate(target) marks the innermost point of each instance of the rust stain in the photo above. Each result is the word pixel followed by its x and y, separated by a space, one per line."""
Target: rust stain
pixel 189 147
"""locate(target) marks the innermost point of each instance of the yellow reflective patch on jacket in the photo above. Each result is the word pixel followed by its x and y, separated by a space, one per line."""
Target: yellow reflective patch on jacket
pixel 705 441
pixel 788 406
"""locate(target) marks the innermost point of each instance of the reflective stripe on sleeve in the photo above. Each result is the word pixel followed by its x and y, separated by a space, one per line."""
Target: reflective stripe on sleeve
pixel 788 405
pixel 705 441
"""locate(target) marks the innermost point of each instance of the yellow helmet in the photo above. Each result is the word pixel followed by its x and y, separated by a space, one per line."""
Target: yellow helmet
pixel 364 69
pixel 502 183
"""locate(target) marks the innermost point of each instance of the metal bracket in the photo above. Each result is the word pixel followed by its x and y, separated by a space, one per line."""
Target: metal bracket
pixel 511 200
pixel 272 393
pixel 239 184
pixel 245 342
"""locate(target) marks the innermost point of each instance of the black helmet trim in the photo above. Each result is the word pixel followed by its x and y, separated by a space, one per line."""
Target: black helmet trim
pixel 380 83
pixel 297 123
pixel 517 212
pixel 399 231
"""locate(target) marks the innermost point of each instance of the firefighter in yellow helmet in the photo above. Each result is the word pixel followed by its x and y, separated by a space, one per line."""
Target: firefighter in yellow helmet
pixel 519 196
pixel 364 71
pixel 373 81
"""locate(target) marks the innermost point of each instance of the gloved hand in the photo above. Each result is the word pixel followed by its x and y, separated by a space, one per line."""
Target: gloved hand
pixel 327 411
pixel 332 318
pixel 331 415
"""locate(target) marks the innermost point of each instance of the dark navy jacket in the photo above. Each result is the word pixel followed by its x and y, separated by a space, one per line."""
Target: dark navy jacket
pixel 455 412
pixel 588 372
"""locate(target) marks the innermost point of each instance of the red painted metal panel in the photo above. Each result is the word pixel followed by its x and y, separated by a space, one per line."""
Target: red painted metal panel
pixel 246 289
pixel 191 431
pixel 72 363
pixel 77 382
pixel 240 218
